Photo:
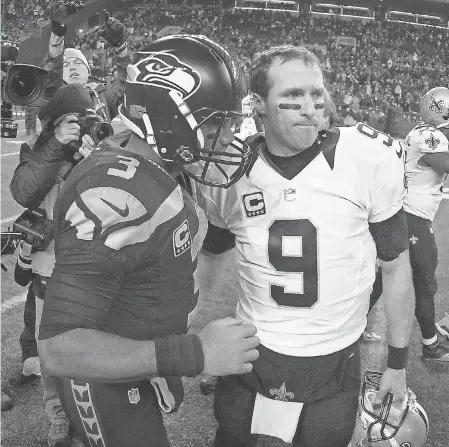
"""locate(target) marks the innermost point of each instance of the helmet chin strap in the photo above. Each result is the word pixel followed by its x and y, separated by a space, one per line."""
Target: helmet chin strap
pixel 129 124
pixel 150 138
pixel 187 114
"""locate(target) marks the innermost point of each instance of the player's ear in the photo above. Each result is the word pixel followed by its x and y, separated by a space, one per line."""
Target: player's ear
pixel 259 104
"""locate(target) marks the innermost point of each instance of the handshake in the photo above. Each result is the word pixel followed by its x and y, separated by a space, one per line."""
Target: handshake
pixel 229 347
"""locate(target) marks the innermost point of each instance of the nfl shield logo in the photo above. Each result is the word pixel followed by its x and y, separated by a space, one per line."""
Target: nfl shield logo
pixel 290 194
pixel 133 395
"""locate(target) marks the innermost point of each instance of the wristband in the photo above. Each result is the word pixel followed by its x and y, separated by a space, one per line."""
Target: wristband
pixel 397 357
pixel 179 355
pixel 57 44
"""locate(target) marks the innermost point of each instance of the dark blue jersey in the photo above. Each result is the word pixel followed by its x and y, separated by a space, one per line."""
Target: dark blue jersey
pixel 124 231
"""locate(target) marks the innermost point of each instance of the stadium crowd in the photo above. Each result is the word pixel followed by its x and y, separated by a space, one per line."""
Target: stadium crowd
pixel 391 64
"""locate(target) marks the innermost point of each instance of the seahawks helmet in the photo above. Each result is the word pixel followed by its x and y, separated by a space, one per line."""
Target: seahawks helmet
pixel 177 90
pixel 393 424
pixel 434 108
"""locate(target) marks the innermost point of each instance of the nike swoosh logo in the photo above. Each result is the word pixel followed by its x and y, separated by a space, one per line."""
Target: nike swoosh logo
pixel 119 211
pixel 399 153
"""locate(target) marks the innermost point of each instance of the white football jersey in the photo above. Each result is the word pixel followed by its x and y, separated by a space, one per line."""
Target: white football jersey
pixel 424 184
pixel 306 256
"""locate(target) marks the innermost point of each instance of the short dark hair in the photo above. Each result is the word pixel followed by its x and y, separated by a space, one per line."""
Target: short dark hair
pixel 264 60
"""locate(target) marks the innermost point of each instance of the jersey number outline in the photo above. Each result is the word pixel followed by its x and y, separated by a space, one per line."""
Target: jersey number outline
pixel 305 265
pixel 373 133
pixel 131 167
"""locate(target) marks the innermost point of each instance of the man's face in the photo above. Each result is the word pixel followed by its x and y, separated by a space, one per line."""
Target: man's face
pixel 226 135
pixel 293 109
pixel 218 173
pixel 75 72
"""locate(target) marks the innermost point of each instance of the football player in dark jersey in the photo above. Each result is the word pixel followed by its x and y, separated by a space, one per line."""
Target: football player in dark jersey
pixel 115 319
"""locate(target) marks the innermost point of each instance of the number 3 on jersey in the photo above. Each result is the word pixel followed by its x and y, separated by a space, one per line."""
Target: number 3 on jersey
pixel 303 261
pixel 131 167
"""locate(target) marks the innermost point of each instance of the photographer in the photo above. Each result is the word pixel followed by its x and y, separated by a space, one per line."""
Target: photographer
pixel 40 173
pixel 37 181
pixel 70 66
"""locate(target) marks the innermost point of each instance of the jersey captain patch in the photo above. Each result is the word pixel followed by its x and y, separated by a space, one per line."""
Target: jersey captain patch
pixel 254 204
pixel 182 239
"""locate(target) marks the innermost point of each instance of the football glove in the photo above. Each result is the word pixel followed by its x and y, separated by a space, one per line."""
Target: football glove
pixel 113 31
pixel 60 17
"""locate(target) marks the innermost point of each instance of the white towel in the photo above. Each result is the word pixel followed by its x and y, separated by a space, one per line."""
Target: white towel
pixel 165 398
pixel 275 418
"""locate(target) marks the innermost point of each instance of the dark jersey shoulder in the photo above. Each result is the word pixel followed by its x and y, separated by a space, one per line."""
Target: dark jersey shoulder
pixel 114 202
pixel 124 236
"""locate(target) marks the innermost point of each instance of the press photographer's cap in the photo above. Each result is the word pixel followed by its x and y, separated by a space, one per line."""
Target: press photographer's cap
pixel 73 53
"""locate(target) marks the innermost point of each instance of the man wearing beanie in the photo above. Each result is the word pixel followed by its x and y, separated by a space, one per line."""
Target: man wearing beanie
pixel 76 67
pixel 45 163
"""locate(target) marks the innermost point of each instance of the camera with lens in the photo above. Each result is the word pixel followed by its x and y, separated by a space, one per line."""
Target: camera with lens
pixel 25 84
pixel 35 227
pixel 9 55
pixel 91 124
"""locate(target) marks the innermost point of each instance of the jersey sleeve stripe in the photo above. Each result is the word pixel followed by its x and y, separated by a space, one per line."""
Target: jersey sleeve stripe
pixel 84 226
pixel 168 209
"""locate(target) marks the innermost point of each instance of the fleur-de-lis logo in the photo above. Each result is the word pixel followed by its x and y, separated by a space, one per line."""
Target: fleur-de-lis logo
pixel 134 395
pixel 432 142
pixel 436 106
pixel 282 393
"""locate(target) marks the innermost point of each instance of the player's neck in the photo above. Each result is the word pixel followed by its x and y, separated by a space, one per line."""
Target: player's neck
pixel 140 147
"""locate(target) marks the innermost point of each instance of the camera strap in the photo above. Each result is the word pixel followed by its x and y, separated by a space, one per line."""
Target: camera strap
pixel 99 106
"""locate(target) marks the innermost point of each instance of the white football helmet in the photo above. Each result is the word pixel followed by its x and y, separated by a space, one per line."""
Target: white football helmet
pixel 399 424
pixel 434 107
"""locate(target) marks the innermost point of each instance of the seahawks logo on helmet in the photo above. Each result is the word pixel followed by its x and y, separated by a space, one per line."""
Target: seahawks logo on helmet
pixel 166 71
pixel 436 106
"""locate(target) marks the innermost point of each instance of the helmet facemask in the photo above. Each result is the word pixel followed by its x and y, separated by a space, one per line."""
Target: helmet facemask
pixel 384 424
pixel 207 160
pixel 391 423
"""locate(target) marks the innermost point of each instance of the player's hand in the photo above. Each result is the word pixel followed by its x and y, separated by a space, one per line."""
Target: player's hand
pixel 229 347
pixel 67 130
pixel 113 31
pixel 392 381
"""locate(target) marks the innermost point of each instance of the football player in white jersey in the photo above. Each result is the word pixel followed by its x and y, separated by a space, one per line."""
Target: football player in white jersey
pixel 427 166
pixel 309 216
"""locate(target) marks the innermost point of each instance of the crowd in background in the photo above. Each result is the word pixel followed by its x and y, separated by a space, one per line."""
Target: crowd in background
pixel 391 64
